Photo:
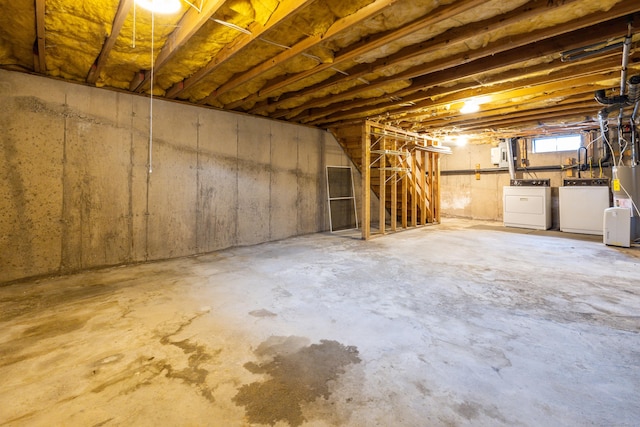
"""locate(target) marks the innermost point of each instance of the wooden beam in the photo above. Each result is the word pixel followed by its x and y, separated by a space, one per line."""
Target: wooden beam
pixel 414 190
pixel 404 192
pixel 496 55
pixel 394 188
pixel 512 111
pixel 190 23
pixel 382 194
pixel 516 56
pixel 360 48
pixel 39 64
pixel 118 21
pixel 338 27
pixel 432 184
pixel 285 9
pixel 446 40
pixel 423 186
pixel 506 122
pixel 507 80
pixel 541 93
pixel 366 182
pixel 436 187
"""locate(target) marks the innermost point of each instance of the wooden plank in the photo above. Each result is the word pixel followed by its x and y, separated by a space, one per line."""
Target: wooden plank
pixel 285 9
pixel 360 48
pixel 494 56
pixel 504 81
pixel 394 189
pixel 382 220
pixel 512 111
pixel 436 187
pixel 423 187
pixel 447 40
pixel 39 64
pixel 414 193
pixel 190 23
pixel 432 157
pixel 366 182
pixel 405 202
pixel 118 21
pixel 339 26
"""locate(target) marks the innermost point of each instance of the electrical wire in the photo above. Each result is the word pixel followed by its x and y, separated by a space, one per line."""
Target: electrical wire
pixel 600 166
pixel 151 97
pixel 133 36
pixel 611 148
pixel 622 149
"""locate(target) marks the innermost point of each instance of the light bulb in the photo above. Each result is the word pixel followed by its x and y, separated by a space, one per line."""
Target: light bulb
pixel 470 107
pixel 160 6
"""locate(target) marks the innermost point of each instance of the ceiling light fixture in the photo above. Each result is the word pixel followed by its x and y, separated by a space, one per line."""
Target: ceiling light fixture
pixel 462 140
pixel 160 6
pixel 470 107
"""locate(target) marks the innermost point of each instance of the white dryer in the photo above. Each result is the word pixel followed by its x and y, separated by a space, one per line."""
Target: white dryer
pixel 527 204
pixel 582 203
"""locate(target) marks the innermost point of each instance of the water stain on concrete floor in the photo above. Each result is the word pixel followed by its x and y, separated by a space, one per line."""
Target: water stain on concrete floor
pixel 298 375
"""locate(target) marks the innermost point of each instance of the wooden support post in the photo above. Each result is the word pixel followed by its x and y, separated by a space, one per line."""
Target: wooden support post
pixel 414 192
pixel 436 187
pixel 382 164
pixel 394 187
pixel 432 211
pixel 423 187
pixel 405 190
pixel 366 182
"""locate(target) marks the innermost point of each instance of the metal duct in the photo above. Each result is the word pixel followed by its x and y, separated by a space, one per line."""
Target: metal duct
pixel 614 100
pixel 626 51
pixel 633 94
pixel 510 157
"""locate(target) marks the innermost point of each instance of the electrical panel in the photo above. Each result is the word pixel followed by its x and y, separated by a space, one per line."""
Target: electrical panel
pixel 499 155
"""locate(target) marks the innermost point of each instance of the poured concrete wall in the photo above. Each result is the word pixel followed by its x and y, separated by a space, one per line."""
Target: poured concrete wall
pixel 464 196
pixel 76 190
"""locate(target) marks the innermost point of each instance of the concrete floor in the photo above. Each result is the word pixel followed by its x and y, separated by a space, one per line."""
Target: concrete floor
pixel 460 324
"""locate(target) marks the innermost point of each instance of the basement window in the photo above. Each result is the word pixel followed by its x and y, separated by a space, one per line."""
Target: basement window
pixel 557 143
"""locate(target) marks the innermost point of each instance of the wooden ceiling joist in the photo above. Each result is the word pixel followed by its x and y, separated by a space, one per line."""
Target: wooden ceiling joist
pixel 39 64
pixel 360 48
pixel 285 9
pixel 496 55
pixel 447 40
pixel 123 10
pixel 338 27
pixel 413 64
pixel 190 23
pixel 504 81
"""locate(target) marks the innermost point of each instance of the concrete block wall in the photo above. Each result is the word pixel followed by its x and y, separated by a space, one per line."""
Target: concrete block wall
pixel 76 190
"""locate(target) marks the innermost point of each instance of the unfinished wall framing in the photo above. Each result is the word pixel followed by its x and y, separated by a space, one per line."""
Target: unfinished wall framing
pixel 403 169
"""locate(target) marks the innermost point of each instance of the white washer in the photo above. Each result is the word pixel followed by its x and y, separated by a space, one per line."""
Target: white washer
pixel 582 208
pixel 527 207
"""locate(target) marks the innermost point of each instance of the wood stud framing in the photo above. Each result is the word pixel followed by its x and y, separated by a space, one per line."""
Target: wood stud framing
pixel 394 160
